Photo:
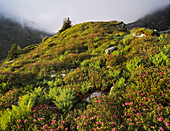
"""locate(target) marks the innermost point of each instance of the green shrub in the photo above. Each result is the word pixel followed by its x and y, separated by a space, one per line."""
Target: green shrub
pixel 66 25
pixel 64 99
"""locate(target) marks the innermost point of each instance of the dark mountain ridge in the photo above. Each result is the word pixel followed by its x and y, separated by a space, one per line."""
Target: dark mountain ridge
pixel 12 32
pixel 159 20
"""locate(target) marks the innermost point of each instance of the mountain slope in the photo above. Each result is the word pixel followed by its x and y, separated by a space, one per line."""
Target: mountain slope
pixel 159 20
pixel 47 86
pixel 12 32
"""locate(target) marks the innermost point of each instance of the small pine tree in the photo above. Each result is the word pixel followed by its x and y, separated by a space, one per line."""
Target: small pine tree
pixel 66 25
pixel 14 52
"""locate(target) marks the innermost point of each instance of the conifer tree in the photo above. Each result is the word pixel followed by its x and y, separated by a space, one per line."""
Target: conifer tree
pixel 14 52
pixel 66 25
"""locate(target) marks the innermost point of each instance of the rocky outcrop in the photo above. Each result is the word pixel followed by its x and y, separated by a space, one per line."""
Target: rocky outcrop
pixel 110 50
pixel 95 94
pixel 121 25
pixel 137 35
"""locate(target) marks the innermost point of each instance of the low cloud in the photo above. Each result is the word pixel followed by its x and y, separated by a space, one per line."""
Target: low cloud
pixel 48 15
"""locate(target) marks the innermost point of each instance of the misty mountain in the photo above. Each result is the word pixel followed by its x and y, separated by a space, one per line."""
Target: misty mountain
pixel 12 32
pixel 159 20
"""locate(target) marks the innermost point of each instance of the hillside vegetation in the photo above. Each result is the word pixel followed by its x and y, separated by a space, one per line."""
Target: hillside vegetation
pixel 46 87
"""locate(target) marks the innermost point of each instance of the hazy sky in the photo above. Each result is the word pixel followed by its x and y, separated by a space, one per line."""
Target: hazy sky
pixel 49 14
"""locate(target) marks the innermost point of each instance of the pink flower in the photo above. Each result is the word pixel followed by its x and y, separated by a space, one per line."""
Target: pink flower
pixel 151 126
pixel 56 114
pixel 98 117
pixel 167 124
pixel 35 125
pixel 54 121
pixel 25 121
pixel 63 121
pixel 103 123
pixel 97 123
pixel 34 116
pixel 113 129
pixel 42 118
pixel 38 118
pixel 92 118
pixel 161 128
pixel 34 120
pixel 115 116
pixel 161 119
pixel 19 121
pixel 113 123
pixel 78 117
pixel 51 129
pixel 85 123
pixel 18 127
pixel 131 123
pixel 78 127
pixel 159 108
pixel 139 92
pixel 84 117
pixel 66 128
pixel 57 129
pixel 138 114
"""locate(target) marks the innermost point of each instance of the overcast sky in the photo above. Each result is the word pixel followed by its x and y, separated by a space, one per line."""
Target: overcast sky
pixel 49 14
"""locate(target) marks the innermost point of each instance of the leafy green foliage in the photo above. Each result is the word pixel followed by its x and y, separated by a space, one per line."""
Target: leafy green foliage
pixel 64 99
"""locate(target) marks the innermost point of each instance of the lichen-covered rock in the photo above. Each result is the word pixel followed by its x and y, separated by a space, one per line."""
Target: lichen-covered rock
pixel 95 94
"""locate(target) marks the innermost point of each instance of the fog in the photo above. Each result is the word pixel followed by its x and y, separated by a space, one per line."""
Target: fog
pixel 48 15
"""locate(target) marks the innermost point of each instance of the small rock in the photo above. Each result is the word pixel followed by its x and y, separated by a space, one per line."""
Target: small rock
pixel 71 69
pixel 110 50
pixel 111 90
pixel 53 76
pixel 63 75
pixel 141 35
pixel 108 66
pixel 11 61
pixel 52 72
